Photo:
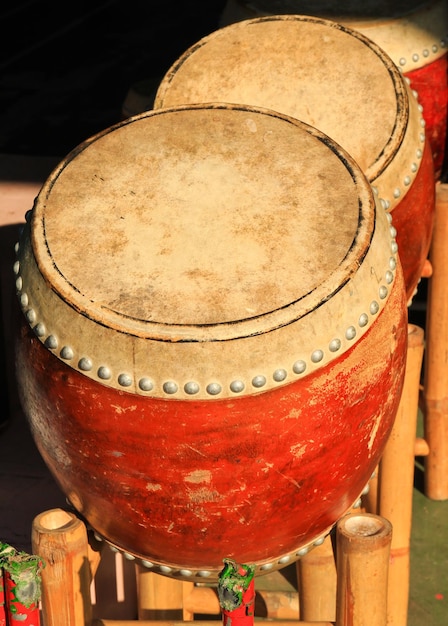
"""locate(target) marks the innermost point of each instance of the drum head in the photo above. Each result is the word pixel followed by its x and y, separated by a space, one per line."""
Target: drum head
pixel 315 70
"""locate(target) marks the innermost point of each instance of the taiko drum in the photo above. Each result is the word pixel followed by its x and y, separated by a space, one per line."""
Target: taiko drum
pixel 337 80
pixel 214 335
pixel 414 33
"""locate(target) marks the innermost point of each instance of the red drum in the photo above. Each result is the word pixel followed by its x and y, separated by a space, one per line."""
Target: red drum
pixel 214 335
pixel 369 110
pixel 414 33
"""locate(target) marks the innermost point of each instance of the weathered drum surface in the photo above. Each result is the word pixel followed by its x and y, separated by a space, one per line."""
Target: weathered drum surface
pixel 414 33
pixel 214 335
pixel 337 80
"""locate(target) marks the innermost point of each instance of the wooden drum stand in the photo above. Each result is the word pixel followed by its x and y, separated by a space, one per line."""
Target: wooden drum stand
pixel 362 556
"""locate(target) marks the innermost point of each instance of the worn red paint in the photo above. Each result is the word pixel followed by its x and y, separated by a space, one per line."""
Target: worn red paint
pixel 431 84
pixel 188 483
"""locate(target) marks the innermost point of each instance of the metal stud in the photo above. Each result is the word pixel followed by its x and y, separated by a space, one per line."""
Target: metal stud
pixel 67 353
pixel 258 381
pixel 125 380
pixel 145 384
pixel 104 373
pixel 237 386
pixel 170 387
pixel 214 389
pixel 191 388
pixel 85 364
pixel 299 367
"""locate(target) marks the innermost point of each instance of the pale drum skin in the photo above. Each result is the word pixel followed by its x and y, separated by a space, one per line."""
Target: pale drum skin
pixel 414 33
pixel 369 109
pixel 235 427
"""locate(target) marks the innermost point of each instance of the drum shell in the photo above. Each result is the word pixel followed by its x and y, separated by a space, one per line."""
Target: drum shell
pixel 186 484
pixel 413 34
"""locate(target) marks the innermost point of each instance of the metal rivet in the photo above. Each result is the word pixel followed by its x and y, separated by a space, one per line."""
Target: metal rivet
pixel 104 372
pixel 383 291
pixel 415 58
pixel 402 61
pixel 186 572
pixel 389 217
pixel 214 389
pixel 85 364
pixel 39 329
pixel 422 136
pixel 170 387
pixel 258 381
pixel 303 551
pixel 67 353
pixel 419 152
pixel 19 283
pixel 16 247
pixel 393 231
pixel 389 277
pixel 350 333
pixel 383 203
pixel 16 267
pixel 203 573
pixel 319 541
pixel 51 342
pixel 279 375
pixel 407 180
pixel 166 569
pixel 237 386
pixel 128 556
pixel 414 167
pixel 147 564
pixel 392 263
pixel 394 247
pixel 435 47
pixel 284 559
pixel 397 193
pixel 363 320
pixel 266 566
pixel 334 345
pixel 425 52
pixel 124 380
pixel 317 356
pixel 299 367
pixel 145 384
pixel 24 299
pixel 191 388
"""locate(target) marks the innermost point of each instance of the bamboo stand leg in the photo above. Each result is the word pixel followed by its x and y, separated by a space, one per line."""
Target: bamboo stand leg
pixel 316 576
pixel 60 538
pixel 160 597
pixel 436 365
pixel 396 481
pixel 362 556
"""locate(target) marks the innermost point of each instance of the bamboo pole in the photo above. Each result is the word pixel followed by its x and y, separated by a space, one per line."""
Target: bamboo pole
pixel 396 481
pixel 161 597
pixel 316 577
pixel 362 558
pixel 111 622
pixel 435 392
pixel 60 538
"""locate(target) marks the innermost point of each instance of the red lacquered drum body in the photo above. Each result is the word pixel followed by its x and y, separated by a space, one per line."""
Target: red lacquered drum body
pixel 369 110
pixel 414 33
pixel 215 338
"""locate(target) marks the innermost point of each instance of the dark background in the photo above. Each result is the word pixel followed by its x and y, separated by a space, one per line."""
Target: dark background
pixel 65 68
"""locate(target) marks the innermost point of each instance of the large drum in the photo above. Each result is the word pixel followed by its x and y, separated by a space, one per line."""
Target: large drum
pixel 214 335
pixel 298 65
pixel 414 33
